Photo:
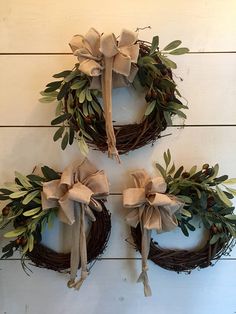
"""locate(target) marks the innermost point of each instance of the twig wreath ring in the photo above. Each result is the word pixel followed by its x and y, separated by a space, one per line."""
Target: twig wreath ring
pixel 172 200
pixel 74 196
pixel 106 62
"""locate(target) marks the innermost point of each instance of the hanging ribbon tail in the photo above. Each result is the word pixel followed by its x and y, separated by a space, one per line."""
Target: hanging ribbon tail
pixel 107 100
pixel 79 248
pixel 143 277
pixel 146 238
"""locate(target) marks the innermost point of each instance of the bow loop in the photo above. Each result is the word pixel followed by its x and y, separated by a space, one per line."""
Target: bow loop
pixel 75 195
pixel 102 55
pixel 152 209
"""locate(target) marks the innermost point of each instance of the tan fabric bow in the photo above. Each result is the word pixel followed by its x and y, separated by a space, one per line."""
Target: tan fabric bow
pixel 152 209
pixel 76 193
pixel 114 61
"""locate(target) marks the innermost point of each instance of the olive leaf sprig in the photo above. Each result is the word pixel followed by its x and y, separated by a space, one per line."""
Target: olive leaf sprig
pixel 23 209
pixel 77 105
pixel 205 194
pixel 79 113
pixel 154 73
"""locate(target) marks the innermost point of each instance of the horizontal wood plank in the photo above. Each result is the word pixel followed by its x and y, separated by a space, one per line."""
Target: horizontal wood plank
pixel 205 87
pixel 49 25
pixel 111 288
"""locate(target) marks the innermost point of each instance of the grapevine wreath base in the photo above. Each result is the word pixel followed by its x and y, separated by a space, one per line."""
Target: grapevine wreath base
pixel 97 239
pixel 74 196
pixel 172 200
pixel 184 260
pixel 84 94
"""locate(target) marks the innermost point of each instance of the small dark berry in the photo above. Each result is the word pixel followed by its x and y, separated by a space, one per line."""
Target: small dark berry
pixel 6 211
pixel 214 229
pixel 185 175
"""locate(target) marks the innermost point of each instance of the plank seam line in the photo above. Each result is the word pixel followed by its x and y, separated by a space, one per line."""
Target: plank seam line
pixel 170 126
pixel 69 53
pixel 116 258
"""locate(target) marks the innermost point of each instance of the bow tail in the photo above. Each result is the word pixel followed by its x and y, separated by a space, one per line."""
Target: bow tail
pixel 79 249
pixel 143 277
pixel 107 100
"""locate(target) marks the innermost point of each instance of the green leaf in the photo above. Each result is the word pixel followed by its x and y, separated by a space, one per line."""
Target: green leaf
pixel 25 249
pixel 167 62
pixel 168 118
pixel 179 51
pixel 85 134
pixel 155 43
pixel 180 114
pixel 161 170
pixel 49 94
pixel 230 190
pixel 23 180
pixel 55 85
pixel 29 197
pixel 82 96
pixel 231 217
pixel 150 108
pixel 186 213
pixel 230 181
pixel 172 169
pixel 167 158
pixel 185 198
pixel 78 84
pixel 15 233
pixel 223 197
pixel 83 146
pixel 59 108
pixel 47 99
pixel 215 173
pixel 192 170
pixel 32 212
pixel 49 173
pixel 18 194
pixel 65 141
pixel 71 136
pixel 31 243
pixel 88 95
pixel 174 44
pixel 232 230
pixel 62 74
pixel 178 172
pixel 16 215
pixel 71 76
pixel 60 119
pixel 63 91
pixel 190 227
pixel 58 134
pixel 184 229
pixel 221 179
pixel 215 238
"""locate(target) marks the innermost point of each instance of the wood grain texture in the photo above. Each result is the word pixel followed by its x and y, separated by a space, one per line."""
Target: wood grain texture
pixel 206 86
pixel 33 27
pixel 47 26
pixel 111 288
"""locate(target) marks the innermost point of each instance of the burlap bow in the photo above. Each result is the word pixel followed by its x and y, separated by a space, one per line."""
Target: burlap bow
pixel 114 61
pixel 75 194
pixel 152 209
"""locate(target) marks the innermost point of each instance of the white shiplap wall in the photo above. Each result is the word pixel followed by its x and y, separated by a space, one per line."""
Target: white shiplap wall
pixel 33 46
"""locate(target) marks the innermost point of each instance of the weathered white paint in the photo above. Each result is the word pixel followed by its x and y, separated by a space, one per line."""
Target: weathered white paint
pixel 47 26
pixel 205 86
pixel 112 288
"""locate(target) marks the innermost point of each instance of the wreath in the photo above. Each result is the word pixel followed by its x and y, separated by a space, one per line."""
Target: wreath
pixel 173 200
pixel 34 201
pixel 107 62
